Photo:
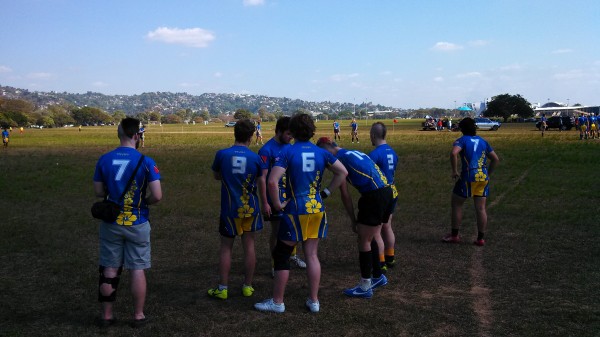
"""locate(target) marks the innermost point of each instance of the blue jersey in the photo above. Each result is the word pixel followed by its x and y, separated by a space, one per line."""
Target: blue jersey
pixel 305 164
pixel 269 154
pixel 336 125
pixel 114 170
pixel 354 126
pixel 583 120
pixel 473 158
pixel 387 160
pixel 592 120
pixel 363 173
pixel 239 167
pixel 5 134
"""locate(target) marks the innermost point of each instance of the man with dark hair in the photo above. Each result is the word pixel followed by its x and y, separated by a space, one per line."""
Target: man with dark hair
pixel 125 243
pixel 387 160
pixel 473 180
pixel 374 209
pixel 304 217
pixel 239 170
pixel 269 154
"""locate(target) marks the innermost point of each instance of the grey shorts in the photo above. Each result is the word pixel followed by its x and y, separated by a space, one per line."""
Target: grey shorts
pixel 127 246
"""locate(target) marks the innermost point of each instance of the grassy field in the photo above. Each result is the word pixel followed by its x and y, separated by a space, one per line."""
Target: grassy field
pixel 539 275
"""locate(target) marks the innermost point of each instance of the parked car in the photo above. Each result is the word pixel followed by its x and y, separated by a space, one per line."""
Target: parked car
pixel 230 124
pixel 486 124
pixel 558 122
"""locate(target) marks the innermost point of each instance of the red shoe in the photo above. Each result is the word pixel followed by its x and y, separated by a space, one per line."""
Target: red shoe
pixel 449 238
pixel 479 243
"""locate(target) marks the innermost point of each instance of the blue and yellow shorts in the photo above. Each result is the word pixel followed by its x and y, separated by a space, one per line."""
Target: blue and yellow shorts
pixel 467 189
pixel 231 227
pixel 299 227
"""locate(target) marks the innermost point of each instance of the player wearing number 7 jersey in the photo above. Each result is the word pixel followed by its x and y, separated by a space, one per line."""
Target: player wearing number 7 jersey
pixel 473 180
pixel 303 218
pixel 239 170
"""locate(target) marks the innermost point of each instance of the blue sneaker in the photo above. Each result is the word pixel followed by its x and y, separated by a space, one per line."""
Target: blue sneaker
pixel 358 292
pixel 379 281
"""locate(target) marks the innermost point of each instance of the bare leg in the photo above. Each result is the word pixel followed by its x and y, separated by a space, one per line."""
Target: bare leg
pixel 280 280
pixel 457 211
pixel 225 259
pixel 249 257
pixel 481 213
pixel 313 267
pixel 389 239
pixel 106 290
pixel 138 290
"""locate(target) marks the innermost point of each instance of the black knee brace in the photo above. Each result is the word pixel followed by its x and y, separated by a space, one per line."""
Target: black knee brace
pixel 281 256
pixel 113 281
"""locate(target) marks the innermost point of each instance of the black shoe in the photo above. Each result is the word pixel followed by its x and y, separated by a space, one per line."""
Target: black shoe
pixel 138 323
pixel 105 323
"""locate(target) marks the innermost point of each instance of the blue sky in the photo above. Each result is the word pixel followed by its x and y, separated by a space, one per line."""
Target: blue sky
pixel 405 54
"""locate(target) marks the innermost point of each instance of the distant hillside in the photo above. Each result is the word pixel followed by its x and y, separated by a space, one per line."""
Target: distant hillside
pixel 167 102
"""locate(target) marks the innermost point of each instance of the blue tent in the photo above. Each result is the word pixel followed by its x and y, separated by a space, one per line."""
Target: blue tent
pixel 464 108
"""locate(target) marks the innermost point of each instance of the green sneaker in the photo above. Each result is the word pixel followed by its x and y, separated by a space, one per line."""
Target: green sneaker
pixel 247 291
pixel 216 293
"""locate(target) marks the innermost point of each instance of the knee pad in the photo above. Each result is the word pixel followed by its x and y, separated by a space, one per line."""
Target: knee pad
pixel 113 281
pixel 281 256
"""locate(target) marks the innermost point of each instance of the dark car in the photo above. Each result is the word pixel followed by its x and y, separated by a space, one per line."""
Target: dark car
pixel 558 122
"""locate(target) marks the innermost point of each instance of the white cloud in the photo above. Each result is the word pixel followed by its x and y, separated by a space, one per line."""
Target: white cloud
pixel 100 84
pixel 342 77
pixel 562 51
pixel 39 76
pixel 469 75
pixel 218 74
pixel 254 2
pixel 5 69
pixel 446 46
pixel 575 74
pixel 190 37
pixel 438 79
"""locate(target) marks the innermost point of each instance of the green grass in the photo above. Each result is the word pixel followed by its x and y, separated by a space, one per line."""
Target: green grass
pixel 538 276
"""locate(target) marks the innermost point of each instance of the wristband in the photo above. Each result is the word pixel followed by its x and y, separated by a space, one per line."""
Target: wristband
pixel 325 193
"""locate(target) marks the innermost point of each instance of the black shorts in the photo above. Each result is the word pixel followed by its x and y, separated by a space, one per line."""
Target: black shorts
pixel 273 217
pixel 375 207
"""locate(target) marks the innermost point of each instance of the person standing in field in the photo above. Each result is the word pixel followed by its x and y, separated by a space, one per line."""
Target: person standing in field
pixel 269 154
pixel 142 135
pixel 304 218
pixel 239 170
pixel 387 160
pixel 543 124
pixel 5 137
pixel 478 162
pixel 125 243
pixel 354 130
pixel 336 130
pixel 583 127
pixel 593 126
pixel 374 209
pixel 259 133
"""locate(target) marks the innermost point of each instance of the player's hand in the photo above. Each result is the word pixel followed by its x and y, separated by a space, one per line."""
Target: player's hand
pixel 455 175
pixel 266 210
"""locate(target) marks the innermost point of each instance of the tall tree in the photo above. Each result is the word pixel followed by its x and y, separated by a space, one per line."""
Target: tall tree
pixel 506 105
pixel 242 114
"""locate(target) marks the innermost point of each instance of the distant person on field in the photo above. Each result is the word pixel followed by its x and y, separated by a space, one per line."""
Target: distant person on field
pixel 126 242
pixel 304 218
pixel 336 130
pixel 21 130
pixel 5 137
pixel 387 160
pixel 269 154
pixel 593 126
pixel 473 180
pixel 354 130
pixel 143 135
pixel 374 209
pixel 259 133
pixel 543 124
pixel 239 170
pixel 583 127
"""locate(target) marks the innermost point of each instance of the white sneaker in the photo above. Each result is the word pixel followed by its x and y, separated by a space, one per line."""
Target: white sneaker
pixel 298 261
pixel 270 306
pixel 312 306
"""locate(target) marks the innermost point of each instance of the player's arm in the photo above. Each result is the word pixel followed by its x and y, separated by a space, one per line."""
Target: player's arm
pixel 348 205
pixel 454 161
pixel 339 176
pixel 494 160
pixel 99 189
pixel 273 187
pixel 217 175
pixel 262 192
pixel 155 192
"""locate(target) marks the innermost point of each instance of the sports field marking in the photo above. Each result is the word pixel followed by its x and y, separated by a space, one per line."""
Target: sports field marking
pixel 517 183
pixel 482 302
